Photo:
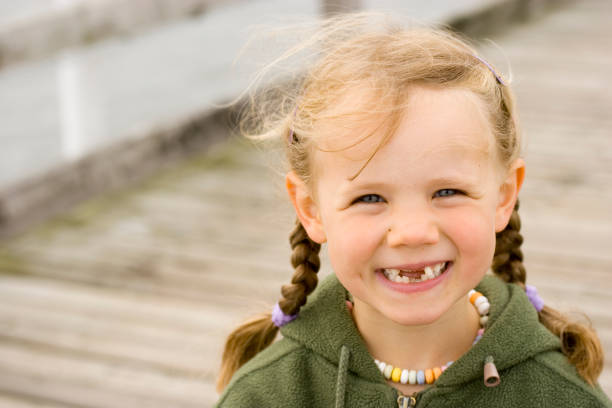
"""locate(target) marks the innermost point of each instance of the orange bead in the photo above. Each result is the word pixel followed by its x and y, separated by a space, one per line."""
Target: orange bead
pixel 396 374
pixel 437 372
pixel 429 376
pixel 475 296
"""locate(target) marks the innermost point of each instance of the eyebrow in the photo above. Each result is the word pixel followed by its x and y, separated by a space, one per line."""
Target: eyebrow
pixel 351 187
pixel 462 179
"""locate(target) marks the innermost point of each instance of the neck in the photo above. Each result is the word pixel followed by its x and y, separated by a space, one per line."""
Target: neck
pixel 418 346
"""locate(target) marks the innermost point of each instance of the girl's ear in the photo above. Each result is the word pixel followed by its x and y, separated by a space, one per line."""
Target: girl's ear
pixel 508 194
pixel 306 207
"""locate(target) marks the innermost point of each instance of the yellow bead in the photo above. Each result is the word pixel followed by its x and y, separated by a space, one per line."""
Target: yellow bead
pixel 429 376
pixel 396 374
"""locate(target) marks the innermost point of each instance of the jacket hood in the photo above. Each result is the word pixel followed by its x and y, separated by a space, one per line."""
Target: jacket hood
pixel 513 333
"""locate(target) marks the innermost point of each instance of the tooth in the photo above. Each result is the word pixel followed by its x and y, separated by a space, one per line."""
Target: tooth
pixel 437 270
pixel 393 275
pixel 429 272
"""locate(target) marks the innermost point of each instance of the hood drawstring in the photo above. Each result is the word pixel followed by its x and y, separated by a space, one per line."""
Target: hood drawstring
pixel 342 373
pixel 491 377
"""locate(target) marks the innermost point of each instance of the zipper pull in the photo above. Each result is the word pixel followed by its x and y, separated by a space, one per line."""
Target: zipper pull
pixel 404 401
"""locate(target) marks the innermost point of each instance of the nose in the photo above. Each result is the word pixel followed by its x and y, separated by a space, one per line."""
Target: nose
pixel 413 228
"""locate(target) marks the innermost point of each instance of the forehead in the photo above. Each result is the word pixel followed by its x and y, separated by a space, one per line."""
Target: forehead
pixel 436 122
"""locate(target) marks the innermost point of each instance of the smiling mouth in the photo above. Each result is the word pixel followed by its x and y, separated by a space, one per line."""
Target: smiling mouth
pixel 416 276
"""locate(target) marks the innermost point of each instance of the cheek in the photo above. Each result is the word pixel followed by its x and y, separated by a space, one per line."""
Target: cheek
pixel 351 241
pixel 474 234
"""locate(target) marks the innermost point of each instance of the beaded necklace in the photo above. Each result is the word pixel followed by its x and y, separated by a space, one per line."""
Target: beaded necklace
pixel 430 375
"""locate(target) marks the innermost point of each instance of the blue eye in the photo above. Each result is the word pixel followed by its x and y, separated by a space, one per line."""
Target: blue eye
pixel 369 199
pixel 447 192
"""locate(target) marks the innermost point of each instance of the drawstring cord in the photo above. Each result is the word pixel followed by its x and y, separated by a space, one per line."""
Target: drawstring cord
pixel 342 372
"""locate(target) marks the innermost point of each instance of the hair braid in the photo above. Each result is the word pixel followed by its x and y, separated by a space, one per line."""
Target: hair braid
pixel 259 332
pixel 579 342
pixel 305 260
pixel 508 258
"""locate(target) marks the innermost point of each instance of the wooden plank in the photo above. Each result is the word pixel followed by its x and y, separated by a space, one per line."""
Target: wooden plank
pixel 62 378
pixel 221 288
pixel 126 307
pixel 15 401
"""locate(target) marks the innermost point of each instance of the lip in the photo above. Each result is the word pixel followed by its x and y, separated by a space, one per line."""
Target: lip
pixel 417 286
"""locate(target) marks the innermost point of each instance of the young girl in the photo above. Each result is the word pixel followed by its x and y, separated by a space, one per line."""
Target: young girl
pixel 404 155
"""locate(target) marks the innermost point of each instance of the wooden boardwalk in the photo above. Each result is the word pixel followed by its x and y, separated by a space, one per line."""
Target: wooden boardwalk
pixel 125 301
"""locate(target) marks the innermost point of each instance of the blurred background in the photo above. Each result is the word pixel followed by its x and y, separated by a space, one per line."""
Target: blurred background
pixel 136 228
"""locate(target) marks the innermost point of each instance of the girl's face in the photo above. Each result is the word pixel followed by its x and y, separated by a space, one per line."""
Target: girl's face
pixel 415 230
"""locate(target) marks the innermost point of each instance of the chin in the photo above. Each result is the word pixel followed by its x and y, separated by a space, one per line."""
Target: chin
pixel 413 319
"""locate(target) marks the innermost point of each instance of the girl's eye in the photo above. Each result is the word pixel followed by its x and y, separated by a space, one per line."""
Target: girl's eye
pixel 369 199
pixel 447 192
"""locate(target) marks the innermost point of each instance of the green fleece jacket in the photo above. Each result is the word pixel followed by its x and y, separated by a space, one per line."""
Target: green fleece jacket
pixel 322 361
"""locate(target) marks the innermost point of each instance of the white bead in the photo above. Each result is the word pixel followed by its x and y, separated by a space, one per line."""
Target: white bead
pixel 483 309
pixel 388 371
pixel 483 320
pixel 376 361
pixel 471 292
pixel 381 366
pixel 404 377
pixel 412 377
pixel 480 301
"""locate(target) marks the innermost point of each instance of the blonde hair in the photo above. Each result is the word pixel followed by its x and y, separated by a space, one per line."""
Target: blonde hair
pixel 387 61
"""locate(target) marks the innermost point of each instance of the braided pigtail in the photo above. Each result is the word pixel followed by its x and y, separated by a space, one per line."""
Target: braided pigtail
pixel 508 258
pixel 259 332
pixel 305 261
pixel 579 342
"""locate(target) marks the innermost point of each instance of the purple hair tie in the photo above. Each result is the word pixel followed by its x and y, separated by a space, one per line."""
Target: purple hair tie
pixel 279 318
pixel 534 298
pixel 499 78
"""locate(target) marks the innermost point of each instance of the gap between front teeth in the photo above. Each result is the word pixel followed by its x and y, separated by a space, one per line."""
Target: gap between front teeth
pixel 430 272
